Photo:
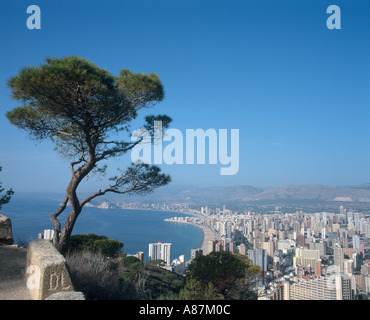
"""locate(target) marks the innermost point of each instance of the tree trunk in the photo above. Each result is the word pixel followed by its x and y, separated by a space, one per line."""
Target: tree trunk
pixel 67 230
pixel 60 239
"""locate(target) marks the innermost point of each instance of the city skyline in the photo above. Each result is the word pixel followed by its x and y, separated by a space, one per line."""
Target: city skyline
pixel 296 91
pixel 302 256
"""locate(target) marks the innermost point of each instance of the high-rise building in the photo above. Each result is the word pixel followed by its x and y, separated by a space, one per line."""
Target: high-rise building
pixel 305 257
pixel 269 246
pixel 211 245
pixel 196 253
pixel 219 246
pixel 337 287
pixel 321 246
pixel 232 246
pixel 140 255
pixel 365 268
pixel 362 249
pixel 323 233
pixel 258 257
pixel 343 233
pixel 367 230
pixel 348 266
pixel 286 246
pixel 341 210
pixel 356 241
pixel 318 267
pixel 178 265
pixel 160 251
pixel 281 235
pixel 338 256
pixel 300 240
pixel 228 232
pixel 351 224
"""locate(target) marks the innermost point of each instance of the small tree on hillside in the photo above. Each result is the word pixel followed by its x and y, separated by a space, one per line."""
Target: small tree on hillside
pixel 80 107
pixel 4 197
pixel 232 275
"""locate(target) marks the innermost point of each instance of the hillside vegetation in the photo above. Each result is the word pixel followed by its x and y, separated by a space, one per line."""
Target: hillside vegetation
pixel 123 277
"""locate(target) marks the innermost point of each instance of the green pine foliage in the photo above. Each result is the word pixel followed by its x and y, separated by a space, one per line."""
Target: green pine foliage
pixel 95 243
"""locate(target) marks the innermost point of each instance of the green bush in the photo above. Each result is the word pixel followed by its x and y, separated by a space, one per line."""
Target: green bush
pixel 95 243
pixel 231 275
pixel 137 266
pixel 129 260
pixel 158 262
pixel 170 277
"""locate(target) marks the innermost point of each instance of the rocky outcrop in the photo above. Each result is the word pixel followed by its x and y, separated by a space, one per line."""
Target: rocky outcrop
pixel 6 235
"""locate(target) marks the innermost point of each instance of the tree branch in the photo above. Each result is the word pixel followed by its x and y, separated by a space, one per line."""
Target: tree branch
pixel 140 178
pixel 101 193
pixel 73 163
pixel 121 147
pixel 55 221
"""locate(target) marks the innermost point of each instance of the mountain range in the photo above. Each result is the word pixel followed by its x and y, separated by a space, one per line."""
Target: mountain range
pixel 244 195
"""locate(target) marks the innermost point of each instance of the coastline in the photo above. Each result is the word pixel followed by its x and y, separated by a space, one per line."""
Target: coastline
pixel 208 234
pixel 144 209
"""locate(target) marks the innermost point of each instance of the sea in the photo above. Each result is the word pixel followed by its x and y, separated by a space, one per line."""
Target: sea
pixel 135 228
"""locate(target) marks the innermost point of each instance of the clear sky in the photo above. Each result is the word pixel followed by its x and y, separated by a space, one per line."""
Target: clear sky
pixel 298 92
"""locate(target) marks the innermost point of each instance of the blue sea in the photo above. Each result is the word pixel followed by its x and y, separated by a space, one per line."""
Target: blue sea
pixel 135 228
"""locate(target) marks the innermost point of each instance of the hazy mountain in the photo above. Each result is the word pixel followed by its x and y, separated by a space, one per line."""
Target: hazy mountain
pixel 314 192
pixel 199 195
pixel 239 195
pixel 365 186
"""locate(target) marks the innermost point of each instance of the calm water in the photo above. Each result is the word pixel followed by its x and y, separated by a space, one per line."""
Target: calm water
pixel 135 228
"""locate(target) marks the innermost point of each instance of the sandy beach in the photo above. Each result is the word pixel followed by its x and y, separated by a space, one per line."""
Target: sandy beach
pixel 208 234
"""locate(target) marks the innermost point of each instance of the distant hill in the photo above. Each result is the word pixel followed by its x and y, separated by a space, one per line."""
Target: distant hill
pixel 365 186
pixel 198 195
pixel 315 192
pixel 244 194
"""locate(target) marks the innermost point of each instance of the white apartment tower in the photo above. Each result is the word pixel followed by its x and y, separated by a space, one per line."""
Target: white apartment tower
pixel 160 251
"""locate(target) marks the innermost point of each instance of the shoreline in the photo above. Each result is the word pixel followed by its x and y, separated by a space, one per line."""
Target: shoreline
pixel 208 234
pixel 144 209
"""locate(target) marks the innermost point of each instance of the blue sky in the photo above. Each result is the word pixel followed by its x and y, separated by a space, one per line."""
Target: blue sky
pixel 297 91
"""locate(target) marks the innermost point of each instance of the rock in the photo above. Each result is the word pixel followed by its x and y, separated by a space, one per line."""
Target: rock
pixel 6 235
pixel 46 270
pixel 66 295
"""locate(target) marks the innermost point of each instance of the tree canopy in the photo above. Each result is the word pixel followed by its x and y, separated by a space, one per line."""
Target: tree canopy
pixel 82 108
pixel 233 275
pixel 95 243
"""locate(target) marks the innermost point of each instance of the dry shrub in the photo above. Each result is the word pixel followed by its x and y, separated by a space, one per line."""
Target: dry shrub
pixel 94 275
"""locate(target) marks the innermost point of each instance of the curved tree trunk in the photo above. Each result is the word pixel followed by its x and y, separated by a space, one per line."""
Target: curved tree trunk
pixel 69 224
pixel 61 237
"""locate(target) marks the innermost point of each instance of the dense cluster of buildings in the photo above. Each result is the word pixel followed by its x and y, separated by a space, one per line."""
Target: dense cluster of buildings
pixel 303 256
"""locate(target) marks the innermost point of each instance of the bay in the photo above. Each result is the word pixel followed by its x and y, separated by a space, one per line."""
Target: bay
pixel 135 228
